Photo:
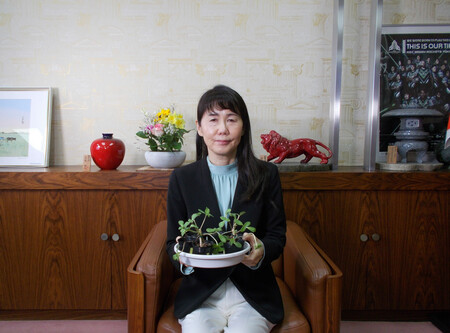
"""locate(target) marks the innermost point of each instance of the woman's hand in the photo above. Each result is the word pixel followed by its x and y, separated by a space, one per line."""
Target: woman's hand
pixel 256 252
pixel 184 269
pixel 179 258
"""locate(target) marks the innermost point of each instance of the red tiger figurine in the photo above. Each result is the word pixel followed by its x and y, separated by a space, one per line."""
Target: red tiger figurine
pixel 278 146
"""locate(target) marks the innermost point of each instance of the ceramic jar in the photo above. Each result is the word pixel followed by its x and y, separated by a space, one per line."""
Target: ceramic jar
pixel 107 152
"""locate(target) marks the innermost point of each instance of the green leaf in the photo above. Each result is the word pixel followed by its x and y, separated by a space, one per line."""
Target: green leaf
pixel 153 145
pixel 177 146
pixel 251 229
pixel 245 226
pixel 218 248
pixel 142 134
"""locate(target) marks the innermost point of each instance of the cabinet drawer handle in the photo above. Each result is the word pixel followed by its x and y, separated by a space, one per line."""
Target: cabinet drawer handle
pixel 376 237
pixel 115 237
pixel 364 238
pixel 104 236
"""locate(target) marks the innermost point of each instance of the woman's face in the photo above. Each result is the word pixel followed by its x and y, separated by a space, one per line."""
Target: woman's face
pixel 222 131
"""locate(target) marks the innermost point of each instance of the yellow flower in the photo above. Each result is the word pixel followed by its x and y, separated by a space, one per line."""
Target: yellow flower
pixel 162 115
pixel 171 119
pixel 165 113
pixel 179 122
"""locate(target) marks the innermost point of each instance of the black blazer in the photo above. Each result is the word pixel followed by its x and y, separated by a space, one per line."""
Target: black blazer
pixel 190 189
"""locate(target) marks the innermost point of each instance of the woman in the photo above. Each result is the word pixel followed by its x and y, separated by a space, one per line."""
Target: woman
pixel 245 297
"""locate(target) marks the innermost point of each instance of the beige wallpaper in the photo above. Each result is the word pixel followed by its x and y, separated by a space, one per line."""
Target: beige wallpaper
pixel 109 59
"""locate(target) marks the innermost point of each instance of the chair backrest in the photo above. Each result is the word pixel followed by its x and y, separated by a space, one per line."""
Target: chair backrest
pixel 318 287
pixel 277 266
pixel 153 273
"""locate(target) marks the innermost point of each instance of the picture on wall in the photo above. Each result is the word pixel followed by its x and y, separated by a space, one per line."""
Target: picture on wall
pixel 414 74
pixel 25 115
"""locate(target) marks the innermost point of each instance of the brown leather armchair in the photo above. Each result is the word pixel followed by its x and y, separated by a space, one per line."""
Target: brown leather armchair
pixel 309 281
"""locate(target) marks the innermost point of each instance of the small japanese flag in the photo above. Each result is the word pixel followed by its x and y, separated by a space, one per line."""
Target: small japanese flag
pixel 447 136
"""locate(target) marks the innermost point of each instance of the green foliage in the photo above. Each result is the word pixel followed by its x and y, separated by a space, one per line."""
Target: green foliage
pixel 229 230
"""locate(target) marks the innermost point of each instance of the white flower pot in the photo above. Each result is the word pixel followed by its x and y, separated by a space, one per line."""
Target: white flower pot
pixel 214 260
pixel 165 159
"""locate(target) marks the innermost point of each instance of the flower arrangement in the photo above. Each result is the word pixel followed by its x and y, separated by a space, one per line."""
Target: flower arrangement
pixel 164 130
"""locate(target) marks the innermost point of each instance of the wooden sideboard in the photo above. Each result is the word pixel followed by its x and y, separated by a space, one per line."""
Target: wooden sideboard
pixel 52 223
pixel 67 236
pixel 387 231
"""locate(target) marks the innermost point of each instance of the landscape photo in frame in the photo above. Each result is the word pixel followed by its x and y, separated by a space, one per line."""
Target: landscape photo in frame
pixel 25 115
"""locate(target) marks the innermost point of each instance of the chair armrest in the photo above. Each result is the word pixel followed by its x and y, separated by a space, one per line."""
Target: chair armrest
pixel 315 281
pixel 150 275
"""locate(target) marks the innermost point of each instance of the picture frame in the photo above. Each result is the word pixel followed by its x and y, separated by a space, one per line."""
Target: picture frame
pixel 25 121
pixel 414 74
pixel 379 135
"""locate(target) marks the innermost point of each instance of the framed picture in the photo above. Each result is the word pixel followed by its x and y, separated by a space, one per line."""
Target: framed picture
pixel 25 118
pixel 414 74
pixel 408 74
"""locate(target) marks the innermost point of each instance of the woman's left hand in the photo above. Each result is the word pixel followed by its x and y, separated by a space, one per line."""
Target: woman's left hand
pixel 256 252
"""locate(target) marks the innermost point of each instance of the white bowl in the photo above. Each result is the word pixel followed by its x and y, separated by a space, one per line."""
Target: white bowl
pixel 165 159
pixel 212 260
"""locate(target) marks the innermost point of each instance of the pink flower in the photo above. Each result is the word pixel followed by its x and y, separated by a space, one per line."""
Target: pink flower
pixel 158 130
pixel 148 129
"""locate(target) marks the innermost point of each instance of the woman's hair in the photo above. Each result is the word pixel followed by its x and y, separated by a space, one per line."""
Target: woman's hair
pixel 251 170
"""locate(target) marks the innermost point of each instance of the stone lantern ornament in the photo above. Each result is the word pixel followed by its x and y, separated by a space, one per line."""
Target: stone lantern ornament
pixel 411 137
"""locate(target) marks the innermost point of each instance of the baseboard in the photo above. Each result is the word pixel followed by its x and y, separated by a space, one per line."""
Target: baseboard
pixel 390 315
pixel 62 314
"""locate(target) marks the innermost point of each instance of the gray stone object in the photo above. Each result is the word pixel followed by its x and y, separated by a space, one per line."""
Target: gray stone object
pixel 411 135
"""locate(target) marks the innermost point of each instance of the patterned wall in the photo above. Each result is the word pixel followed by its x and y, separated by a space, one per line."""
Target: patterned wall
pixel 109 59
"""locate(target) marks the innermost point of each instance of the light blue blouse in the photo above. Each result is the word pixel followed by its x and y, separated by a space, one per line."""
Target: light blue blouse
pixel 224 179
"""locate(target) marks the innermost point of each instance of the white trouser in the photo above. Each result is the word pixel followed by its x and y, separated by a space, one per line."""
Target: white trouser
pixel 226 311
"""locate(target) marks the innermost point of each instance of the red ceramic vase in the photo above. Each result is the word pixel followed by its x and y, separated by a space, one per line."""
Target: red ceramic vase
pixel 107 152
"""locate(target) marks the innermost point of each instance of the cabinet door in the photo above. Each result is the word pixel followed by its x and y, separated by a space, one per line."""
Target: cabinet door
pixel 351 220
pixel 132 214
pixel 373 272
pixel 418 224
pixel 392 246
pixel 51 254
pixel 337 221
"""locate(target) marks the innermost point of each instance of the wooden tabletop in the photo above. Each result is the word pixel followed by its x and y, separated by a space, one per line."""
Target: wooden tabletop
pixel 129 177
